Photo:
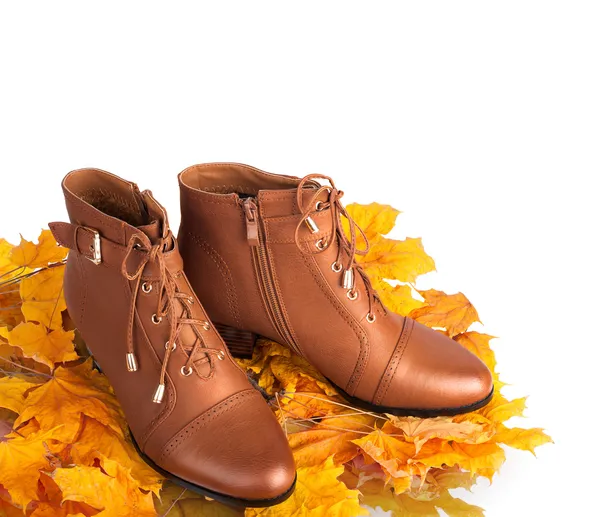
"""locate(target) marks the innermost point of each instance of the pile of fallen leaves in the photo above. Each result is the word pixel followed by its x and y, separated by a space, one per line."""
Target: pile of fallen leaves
pixel 65 448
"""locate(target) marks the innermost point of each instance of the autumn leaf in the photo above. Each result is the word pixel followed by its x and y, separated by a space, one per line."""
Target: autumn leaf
pixel 420 430
pixel 318 493
pixel 478 344
pixel 500 409
pixel 30 255
pixel 7 268
pixel 374 219
pixel 49 510
pixel 43 298
pixel 397 260
pixel 331 435
pixel 70 394
pixel 176 501
pixel 115 496
pixel 524 439
pixel 392 454
pixel 397 298
pixel 474 458
pixel 12 392
pixel 99 443
pixel 452 312
pixel 21 460
pixel 43 345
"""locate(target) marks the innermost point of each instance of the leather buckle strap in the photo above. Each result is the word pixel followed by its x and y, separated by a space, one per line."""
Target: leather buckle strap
pixel 95 247
pixel 84 240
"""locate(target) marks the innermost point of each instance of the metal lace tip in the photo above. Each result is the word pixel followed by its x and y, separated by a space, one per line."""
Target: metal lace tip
pixel 348 280
pixel 312 226
pixel 159 394
pixel 132 365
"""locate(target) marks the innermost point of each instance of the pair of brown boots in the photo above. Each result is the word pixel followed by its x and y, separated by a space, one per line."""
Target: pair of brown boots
pixel 267 255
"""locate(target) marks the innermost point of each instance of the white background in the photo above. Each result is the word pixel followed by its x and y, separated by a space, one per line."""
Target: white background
pixel 479 120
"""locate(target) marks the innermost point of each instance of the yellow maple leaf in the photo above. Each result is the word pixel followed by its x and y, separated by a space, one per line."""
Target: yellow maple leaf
pixel 115 496
pixel 30 255
pixel 452 312
pixel 97 442
pixel 454 507
pixel 21 460
pixel 295 374
pixel 524 439
pixel 397 260
pixel 43 298
pixel 476 458
pixel 43 345
pixel 331 436
pixel 7 268
pixel 392 454
pixel 479 344
pixel 71 393
pixel 500 409
pixel 397 298
pixel 12 392
pixel 421 430
pixel 318 493
pixel 50 510
pixel 401 505
pixel 180 502
pixel 374 219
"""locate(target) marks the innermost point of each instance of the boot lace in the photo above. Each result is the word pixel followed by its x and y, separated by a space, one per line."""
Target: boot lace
pixel 172 304
pixel 347 243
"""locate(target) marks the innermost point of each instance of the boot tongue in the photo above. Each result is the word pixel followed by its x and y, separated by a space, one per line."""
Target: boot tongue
pixel 158 227
pixel 152 231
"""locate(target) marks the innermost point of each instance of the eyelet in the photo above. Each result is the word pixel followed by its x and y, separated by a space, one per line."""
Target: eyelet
pixel 221 356
pixel 137 246
pixel 318 206
pixel 173 346
pixel 206 326
pixel 156 319
pixel 186 371
pixel 320 244
pixel 190 300
pixel 352 295
pixel 370 317
pixel 336 267
pixel 146 287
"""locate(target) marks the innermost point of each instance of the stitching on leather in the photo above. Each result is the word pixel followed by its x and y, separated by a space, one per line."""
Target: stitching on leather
pixel 317 274
pixel 277 288
pixel 196 425
pixel 209 197
pixel 394 362
pixel 225 272
pixel 82 279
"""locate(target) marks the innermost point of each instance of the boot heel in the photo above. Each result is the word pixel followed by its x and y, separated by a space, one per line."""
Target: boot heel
pixel 240 342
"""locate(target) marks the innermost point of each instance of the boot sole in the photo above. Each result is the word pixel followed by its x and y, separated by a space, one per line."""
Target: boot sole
pixel 241 344
pixel 235 502
pixel 422 413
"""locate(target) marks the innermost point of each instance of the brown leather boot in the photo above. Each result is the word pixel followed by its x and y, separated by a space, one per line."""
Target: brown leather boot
pixel 193 413
pixel 267 254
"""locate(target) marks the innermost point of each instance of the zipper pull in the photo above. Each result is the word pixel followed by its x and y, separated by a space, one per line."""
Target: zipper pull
pixel 251 212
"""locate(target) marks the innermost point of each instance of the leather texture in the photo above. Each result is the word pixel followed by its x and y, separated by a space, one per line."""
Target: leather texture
pixel 212 428
pixel 372 354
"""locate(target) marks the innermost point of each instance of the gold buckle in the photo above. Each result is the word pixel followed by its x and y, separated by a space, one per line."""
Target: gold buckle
pixel 95 248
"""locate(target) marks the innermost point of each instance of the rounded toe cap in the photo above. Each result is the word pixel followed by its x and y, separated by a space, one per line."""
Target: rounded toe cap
pixel 241 453
pixel 439 375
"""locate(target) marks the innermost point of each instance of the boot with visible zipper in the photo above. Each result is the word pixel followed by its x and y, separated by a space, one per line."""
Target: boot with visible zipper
pixel 191 410
pixel 268 255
